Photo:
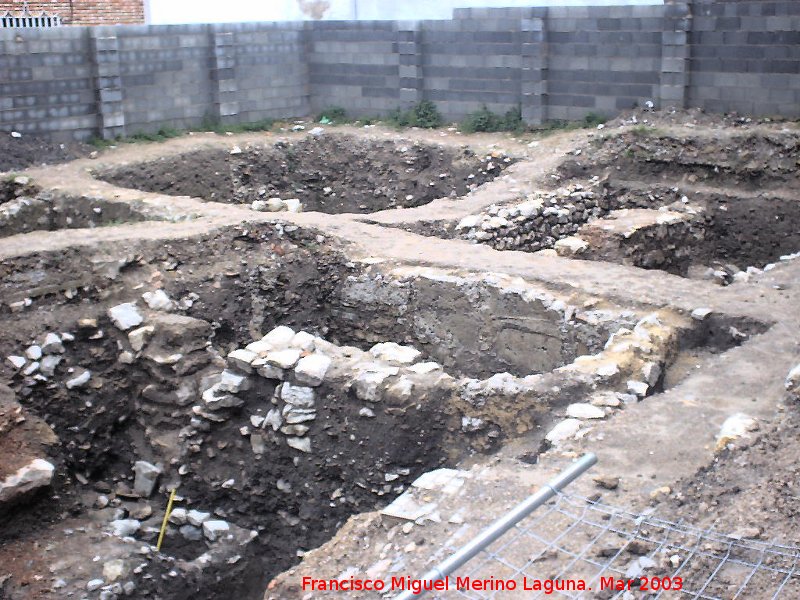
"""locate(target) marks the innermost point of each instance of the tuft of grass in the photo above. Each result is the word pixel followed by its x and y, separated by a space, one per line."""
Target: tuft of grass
pixel 644 131
pixel 262 125
pixel 591 120
pixel 162 134
pixel 424 114
pixel 332 115
pixel 166 133
pixel 486 120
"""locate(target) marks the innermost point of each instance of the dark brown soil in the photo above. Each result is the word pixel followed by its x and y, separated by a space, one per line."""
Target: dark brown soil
pixel 750 491
pixel 105 427
pixel 17 154
pixel 748 161
pixel 330 174
pixel 745 182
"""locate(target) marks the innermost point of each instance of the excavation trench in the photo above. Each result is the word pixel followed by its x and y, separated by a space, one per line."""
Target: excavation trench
pixel 25 207
pixel 138 403
pixel 689 206
pixel 329 173
pixel 282 458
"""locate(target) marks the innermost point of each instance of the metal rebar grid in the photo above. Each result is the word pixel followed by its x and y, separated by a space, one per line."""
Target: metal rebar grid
pixel 574 539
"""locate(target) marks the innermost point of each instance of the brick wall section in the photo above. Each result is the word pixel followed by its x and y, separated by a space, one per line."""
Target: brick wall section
pixel 555 63
pixel 472 61
pixel 166 77
pixel 47 82
pixel 270 72
pixel 602 59
pixel 84 12
pixel 354 64
pixel 745 57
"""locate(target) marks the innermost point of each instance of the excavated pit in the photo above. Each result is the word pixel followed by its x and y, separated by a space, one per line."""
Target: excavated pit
pixel 328 173
pixel 280 501
pixel 245 283
pixel 25 207
pixel 691 206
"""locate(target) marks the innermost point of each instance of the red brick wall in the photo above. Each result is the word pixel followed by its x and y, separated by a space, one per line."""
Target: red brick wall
pixel 84 12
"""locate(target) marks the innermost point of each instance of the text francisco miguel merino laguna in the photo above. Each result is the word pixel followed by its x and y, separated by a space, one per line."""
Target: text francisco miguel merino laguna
pixel 352 584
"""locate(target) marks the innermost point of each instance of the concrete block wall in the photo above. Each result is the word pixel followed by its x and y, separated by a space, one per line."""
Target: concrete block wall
pixel 47 82
pixel 745 57
pixel 166 75
pixel 354 65
pixel 269 73
pixel 602 59
pixel 553 63
pixel 469 62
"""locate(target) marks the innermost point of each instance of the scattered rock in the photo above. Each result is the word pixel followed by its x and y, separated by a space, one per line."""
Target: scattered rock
pixel 49 364
pixel 638 388
pixel 125 316
pixel 79 380
pixel 293 205
pixel 700 314
pixel 53 344
pixel 213 530
pixel 35 475
pixel 158 300
pixel 736 426
pixel 607 482
pixel 606 399
pixel 145 478
pixel 197 518
pixel 114 570
pixel 301 444
pixel 138 337
pixel 585 411
pixel 16 361
pixel 125 527
pixel 34 352
pixel 565 430
pixel 178 516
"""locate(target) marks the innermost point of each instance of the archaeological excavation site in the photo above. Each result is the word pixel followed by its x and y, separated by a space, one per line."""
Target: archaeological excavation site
pixel 301 365
pixel 497 303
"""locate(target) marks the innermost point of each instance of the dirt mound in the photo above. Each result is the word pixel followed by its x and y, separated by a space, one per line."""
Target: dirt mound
pixel 691 117
pixel 327 173
pixel 747 161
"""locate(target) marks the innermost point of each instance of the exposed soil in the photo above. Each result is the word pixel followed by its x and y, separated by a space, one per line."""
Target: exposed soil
pixel 329 173
pixel 749 161
pixel 749 492
pixel 525 314
pixel 29 150
pixel 243 291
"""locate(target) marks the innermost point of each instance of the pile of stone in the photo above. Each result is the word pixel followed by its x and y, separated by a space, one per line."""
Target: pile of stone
pixel 276 204
pixel 38 363
pixel 536 223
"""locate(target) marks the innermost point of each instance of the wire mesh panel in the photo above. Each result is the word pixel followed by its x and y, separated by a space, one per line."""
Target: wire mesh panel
pixel 575 548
